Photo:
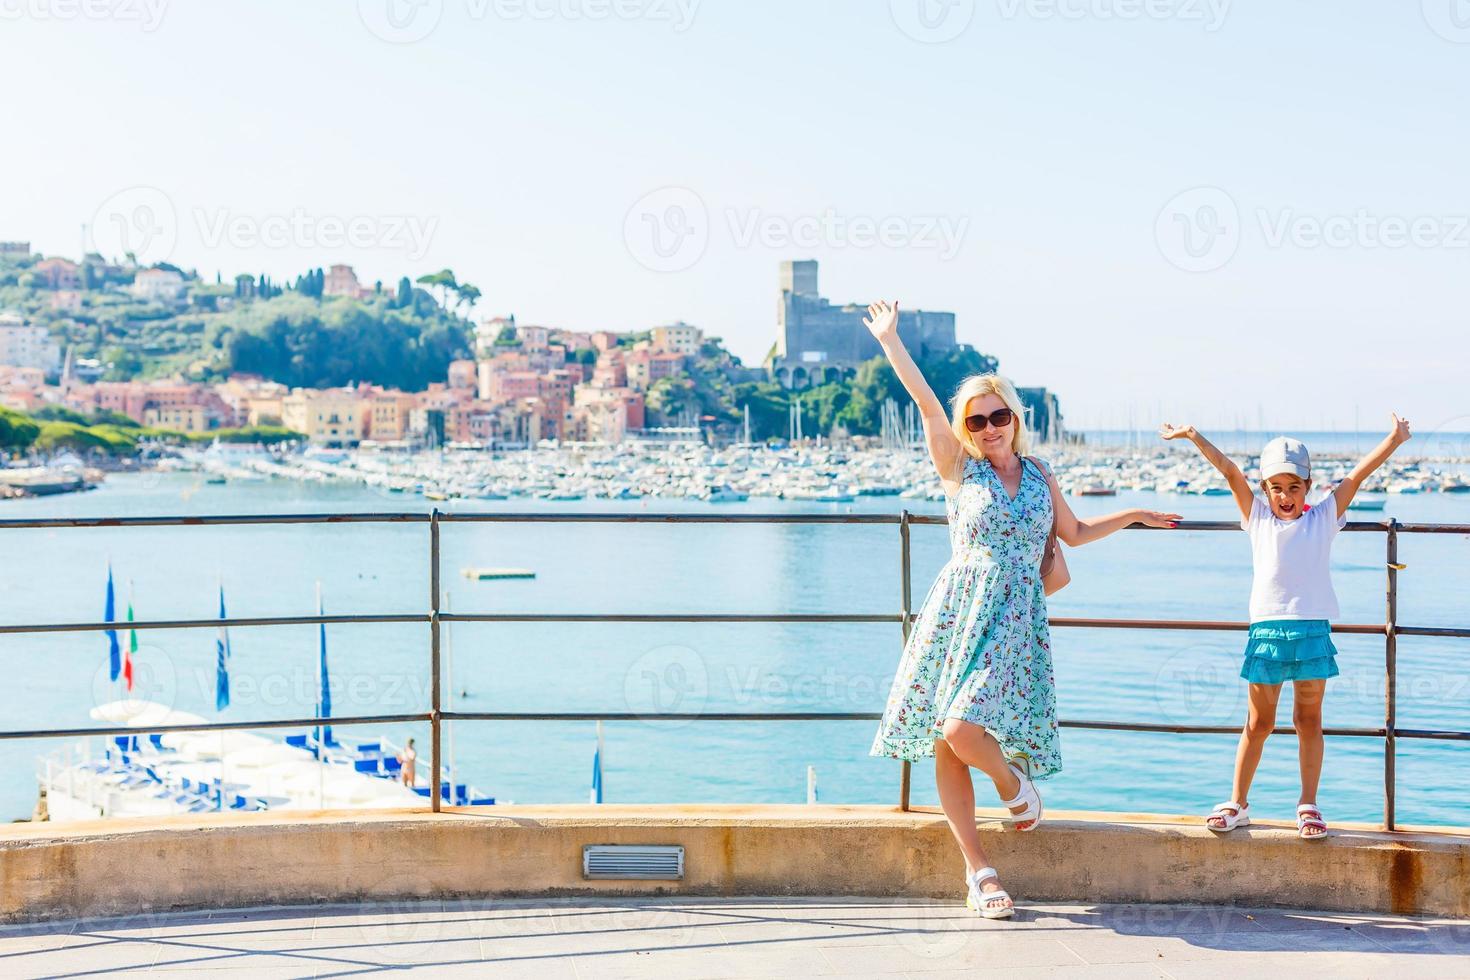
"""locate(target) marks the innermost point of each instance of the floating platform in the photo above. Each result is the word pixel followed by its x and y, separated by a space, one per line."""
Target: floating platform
pixel 488 574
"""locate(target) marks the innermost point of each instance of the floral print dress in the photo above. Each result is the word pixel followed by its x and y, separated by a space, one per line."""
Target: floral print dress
pixel 980 648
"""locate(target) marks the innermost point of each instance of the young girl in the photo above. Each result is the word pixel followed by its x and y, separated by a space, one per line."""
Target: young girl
pixel 974 687
pixel 1291 605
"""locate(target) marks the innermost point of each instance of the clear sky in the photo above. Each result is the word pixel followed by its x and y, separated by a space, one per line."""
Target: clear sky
pixel 1219 212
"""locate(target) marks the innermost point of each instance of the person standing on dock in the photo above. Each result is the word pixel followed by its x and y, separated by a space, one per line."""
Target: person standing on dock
pixel 1292 605
pixel 974 687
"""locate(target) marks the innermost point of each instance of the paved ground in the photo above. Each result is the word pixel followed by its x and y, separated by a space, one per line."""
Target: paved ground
pixel 549 939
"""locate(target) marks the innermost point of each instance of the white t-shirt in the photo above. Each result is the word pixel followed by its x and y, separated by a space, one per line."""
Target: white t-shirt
pixel 1292 562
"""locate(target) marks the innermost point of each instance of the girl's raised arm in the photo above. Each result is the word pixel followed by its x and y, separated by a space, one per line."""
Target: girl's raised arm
pixel 1240 487
pixel 944 449
pixel 1348 488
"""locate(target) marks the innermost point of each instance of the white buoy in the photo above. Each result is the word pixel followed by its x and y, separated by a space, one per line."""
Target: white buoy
pixel 811 784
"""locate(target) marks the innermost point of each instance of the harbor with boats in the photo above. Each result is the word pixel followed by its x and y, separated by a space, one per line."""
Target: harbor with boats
pixel 532 568
pixel 813 472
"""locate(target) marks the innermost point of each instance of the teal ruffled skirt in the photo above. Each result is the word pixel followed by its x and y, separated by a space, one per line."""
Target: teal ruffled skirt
pixel 1280 650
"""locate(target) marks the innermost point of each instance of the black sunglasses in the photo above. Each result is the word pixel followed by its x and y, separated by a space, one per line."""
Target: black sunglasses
pixel 1000 418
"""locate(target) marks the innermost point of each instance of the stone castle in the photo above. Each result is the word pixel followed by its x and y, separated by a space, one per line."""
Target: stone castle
pixel 817 342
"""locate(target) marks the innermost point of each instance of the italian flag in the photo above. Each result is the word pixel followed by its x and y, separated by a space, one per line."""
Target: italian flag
pixel 132 647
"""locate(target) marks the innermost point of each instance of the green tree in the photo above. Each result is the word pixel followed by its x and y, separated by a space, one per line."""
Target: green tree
pixel 299 342
pixel 123 363
pixel 17 431
pixel 59 413
pixel 670 397
pixel 55 436
pixel 768 403
pixel 468 295
pixel 444 281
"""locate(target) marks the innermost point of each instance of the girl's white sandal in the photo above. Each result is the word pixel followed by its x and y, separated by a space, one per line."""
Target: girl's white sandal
pixel 1307 815
pixel 1230 813
pixel 980 901
pixel 1027 795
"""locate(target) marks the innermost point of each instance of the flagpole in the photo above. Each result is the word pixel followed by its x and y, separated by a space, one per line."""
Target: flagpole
pixel 114 654
pixel 449 670
pixel 598 766
pixel 321 771
pixel 122 681
pixel 132 645
pixel 219 797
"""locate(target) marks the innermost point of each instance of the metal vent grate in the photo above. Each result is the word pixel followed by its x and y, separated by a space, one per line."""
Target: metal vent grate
pixel 632 861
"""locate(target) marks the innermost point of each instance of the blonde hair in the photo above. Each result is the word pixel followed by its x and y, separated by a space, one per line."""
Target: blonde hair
pixel 988 384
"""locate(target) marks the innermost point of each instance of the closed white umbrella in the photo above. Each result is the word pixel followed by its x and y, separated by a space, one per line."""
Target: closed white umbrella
pixel 270 754
pixel 212 745
pixel 172 716
pixel 143 714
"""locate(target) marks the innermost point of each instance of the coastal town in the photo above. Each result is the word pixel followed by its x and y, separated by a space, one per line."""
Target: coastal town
pixel 525 410
pixel 511 385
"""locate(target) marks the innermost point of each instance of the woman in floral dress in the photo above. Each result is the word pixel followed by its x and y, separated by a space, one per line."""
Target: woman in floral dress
pixel 974 687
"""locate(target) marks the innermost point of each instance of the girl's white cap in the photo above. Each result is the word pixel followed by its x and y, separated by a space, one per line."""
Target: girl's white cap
pixel 1285 455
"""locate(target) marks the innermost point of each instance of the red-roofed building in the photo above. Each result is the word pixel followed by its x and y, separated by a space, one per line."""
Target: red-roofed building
pixel 58 273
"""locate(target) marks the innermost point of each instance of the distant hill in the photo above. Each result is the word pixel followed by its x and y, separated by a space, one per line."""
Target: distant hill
pixel 292 334
pixel 402 338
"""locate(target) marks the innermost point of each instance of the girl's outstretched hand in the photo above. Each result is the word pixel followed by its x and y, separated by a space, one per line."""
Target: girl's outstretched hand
pixel 882 318
pixel 1401 433
pixel 1171 431
pixel 1156 518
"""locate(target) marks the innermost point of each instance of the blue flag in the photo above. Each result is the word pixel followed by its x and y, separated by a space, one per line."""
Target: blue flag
pixel 597 775
pixel 596 794
pixel 324 702
pixel 114 652
pixel 222 660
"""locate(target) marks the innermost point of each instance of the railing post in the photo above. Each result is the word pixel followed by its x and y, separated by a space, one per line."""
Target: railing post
pixel 1390 668
pixel 903 536
pixel 436 758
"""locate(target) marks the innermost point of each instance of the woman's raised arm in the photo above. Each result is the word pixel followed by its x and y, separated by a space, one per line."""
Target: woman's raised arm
pixel 944 449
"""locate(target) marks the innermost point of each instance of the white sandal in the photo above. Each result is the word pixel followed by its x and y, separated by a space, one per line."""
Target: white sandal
pixel 980 901
pixel 1232 814
pixel 1307 815
pixel 1025 795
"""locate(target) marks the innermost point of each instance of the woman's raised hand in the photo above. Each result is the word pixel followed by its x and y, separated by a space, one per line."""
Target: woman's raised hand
pixel 1400 433
pixel 882 319
pixel 1171 431
pixel 1155 518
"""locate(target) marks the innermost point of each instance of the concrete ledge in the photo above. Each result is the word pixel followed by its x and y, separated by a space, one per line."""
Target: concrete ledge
pixel 125 867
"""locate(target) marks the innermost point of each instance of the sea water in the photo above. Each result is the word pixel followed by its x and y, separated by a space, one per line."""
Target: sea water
pixel 1186 678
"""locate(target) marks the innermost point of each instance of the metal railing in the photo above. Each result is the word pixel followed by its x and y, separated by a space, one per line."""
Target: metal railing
pixel 1389 629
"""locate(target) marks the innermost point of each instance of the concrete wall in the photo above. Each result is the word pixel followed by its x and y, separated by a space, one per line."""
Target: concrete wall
pixel 138 866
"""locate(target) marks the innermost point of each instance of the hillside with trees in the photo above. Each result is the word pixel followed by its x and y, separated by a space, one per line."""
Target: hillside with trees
pixel 403 337
pixel 287 332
